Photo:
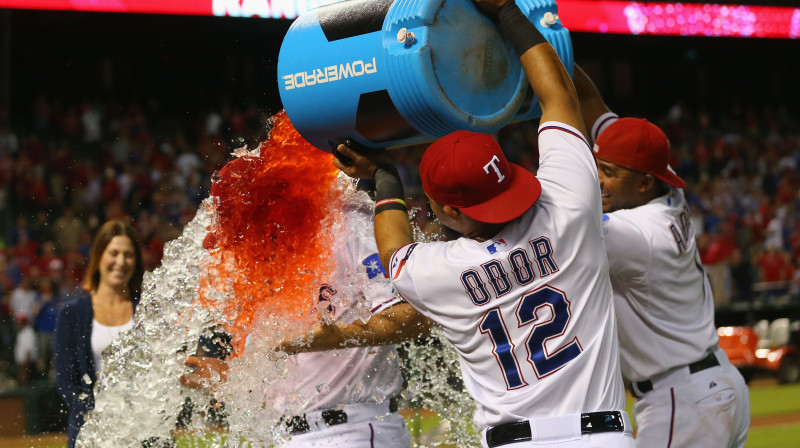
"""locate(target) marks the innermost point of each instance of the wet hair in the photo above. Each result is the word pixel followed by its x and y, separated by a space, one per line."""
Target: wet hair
pixel 104 236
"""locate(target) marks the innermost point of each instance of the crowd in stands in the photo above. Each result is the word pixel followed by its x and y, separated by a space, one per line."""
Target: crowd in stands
pixel 67 168
pixel 70 167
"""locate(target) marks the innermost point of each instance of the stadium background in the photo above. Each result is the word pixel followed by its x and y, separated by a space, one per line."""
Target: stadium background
pixel 162 88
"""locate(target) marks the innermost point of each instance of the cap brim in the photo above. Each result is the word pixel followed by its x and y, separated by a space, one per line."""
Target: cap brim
pixel 671 178
pixel 525 189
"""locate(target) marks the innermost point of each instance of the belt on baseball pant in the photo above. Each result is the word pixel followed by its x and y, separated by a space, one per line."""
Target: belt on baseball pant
pixel 639 388
pixel 354 412
pixel 554 428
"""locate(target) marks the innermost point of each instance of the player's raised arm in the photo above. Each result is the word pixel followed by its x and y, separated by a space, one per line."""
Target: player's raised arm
pixel 592 104
pixel 545 71
pixel 392 227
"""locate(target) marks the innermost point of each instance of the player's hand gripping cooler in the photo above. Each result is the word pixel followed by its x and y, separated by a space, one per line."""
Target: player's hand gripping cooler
pixel 386 73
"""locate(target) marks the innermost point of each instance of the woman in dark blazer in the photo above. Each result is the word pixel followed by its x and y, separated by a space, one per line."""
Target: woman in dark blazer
pixel 87 325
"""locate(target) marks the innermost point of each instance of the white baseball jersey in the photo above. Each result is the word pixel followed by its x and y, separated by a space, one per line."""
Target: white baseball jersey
pixel 329 379
pixel 662 297
pixel 665 312
pixel 528 311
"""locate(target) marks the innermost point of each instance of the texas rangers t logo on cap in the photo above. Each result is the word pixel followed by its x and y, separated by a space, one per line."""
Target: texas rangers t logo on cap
pixel 492 165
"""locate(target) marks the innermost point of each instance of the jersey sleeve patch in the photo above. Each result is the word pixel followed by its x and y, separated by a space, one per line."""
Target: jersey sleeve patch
pixel 374 266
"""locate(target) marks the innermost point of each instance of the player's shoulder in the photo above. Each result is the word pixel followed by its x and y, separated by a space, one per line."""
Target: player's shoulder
pixel 422 254
pixel 660 208
pixel 625 222
pixel 642 221
pixel 401 256
pixel 551 130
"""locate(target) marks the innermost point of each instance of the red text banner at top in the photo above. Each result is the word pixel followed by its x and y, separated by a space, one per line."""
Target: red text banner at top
pixel 594 16
pixel 181 7
pixel 680 19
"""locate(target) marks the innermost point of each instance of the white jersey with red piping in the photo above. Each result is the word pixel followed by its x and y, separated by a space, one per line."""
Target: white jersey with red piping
pixel 529 311
pixel 661 293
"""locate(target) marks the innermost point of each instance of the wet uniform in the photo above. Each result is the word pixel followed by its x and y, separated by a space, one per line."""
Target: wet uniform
pixel 350 393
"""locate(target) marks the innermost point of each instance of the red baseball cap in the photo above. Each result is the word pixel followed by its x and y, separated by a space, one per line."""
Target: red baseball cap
pixel 639 145
pixel 468 171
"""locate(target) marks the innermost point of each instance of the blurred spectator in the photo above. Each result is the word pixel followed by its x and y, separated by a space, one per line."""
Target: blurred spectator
pixel 8 334
pixel 67 231
pixel 773 233
pixel 48 262
pixel 742 275
pixel 19 231
pixel 25 252
pixel 188 161
pixel 41 227
pixel 45 325
pixel 91 121
pixel 9 144
pixel 23 299
pixel 774 265
pixel 794 287
pixel 7 284
pixel 716 255
pixel 12 270
pixel 25 354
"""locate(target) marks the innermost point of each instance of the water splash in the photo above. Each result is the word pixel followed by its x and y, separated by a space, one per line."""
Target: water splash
pixel 137 396
pixel 434 383
pixel 433 377
pixel 270 238
pixel 251 260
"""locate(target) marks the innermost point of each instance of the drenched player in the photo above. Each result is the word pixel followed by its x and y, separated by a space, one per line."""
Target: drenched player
pixel 524 294
pixel 342 396
pixel 688 393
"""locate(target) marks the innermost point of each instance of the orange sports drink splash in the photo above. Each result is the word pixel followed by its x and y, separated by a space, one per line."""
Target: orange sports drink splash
pixel 270 241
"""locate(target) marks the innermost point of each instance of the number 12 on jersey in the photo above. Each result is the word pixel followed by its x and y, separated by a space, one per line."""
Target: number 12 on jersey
pixel 527 311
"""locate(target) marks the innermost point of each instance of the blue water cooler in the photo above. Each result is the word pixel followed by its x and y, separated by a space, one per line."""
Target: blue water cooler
pixel 387 73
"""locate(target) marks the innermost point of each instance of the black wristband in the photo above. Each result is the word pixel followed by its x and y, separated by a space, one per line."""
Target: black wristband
pixel 389 193
pixel 522 34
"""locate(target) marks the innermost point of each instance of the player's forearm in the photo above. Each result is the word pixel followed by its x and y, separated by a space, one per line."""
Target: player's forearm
pixel 393 326
pixel 392 227
pixel 548 77
pixel 392 231
pixel 553 86
pixel 592 104
pixel 397 324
